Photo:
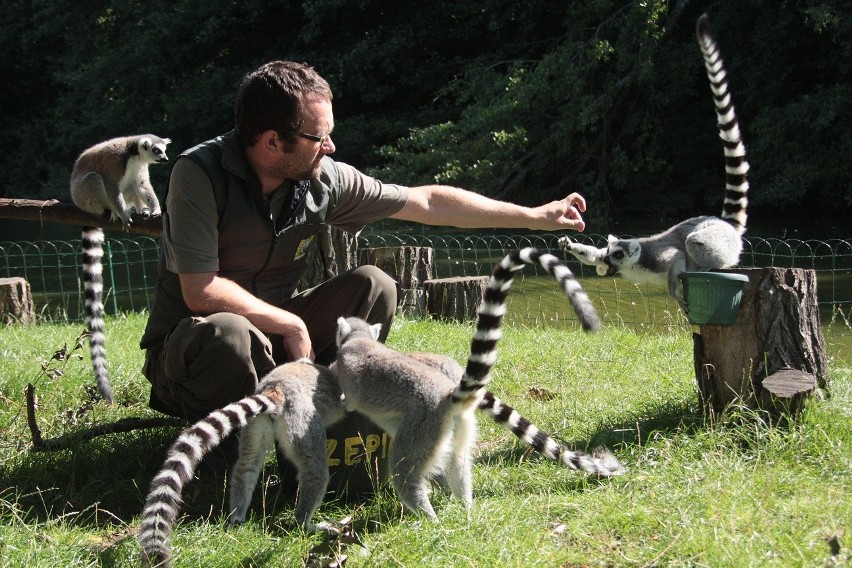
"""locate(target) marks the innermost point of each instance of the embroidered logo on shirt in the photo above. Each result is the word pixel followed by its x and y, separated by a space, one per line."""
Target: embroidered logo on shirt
pixel 302 249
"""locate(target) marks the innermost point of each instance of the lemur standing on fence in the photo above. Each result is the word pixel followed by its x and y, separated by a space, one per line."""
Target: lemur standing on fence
pixel 699 243
pixel 111 176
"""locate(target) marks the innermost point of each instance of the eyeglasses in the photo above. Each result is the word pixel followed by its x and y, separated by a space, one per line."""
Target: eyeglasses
pixel 313 137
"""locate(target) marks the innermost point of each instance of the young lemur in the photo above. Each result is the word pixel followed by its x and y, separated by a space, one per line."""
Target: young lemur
pixel 294 405
pixel 430 416
pixel 111 176
pixel 696 244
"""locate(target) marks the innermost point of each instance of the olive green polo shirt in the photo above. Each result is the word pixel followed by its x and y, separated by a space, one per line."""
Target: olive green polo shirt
pixel 216 219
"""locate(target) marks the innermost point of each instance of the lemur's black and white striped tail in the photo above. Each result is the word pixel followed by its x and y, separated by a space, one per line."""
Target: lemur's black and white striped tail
pixel 483 352
pixel 93 309
pixel 601 462
pixel 734 210
pixel 164 497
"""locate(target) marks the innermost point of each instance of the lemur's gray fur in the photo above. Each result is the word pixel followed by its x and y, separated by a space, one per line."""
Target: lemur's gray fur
pixel 428 415
pixel 696 244
pixel 297 402
pixel 292 406
pixel 111 176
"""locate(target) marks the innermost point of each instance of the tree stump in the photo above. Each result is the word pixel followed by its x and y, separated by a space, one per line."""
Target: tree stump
pixel 455 299
pixel 776 329
pixel 410 267
pixel 16 301
pixel 335 252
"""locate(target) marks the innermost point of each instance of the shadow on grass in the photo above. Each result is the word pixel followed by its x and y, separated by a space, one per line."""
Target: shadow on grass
pixel 102 481
pixel 617 436
pixel 662 420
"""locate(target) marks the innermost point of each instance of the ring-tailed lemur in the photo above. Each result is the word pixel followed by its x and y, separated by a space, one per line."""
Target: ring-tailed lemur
pixel 111 176
pixel 430 417
pixel 301 400
pixel 696 244
pixel 513 420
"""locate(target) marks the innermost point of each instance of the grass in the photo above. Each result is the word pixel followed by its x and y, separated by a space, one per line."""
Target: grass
pixel 727 491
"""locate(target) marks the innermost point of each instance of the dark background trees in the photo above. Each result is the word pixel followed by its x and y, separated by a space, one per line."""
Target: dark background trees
pixel 524 100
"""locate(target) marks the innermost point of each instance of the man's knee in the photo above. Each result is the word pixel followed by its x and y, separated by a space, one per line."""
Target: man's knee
pixel 226 335
pixel 382 289
pixel 377 279
pixel 211 361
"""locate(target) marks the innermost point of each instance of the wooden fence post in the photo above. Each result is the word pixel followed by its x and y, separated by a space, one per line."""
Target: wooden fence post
pixel 774 353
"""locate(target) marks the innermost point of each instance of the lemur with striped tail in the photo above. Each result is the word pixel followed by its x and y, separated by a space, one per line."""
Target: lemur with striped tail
pixel 300 400
pixel 430 416
pixel 111 176
pixel 699 243
pixel 511 419
pixel 292 406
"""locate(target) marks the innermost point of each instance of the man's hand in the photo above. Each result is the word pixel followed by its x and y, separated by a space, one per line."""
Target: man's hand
pixel 562 214
pixel 297 342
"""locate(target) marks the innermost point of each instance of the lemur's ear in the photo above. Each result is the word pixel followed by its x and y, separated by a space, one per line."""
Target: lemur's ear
pixel 375 330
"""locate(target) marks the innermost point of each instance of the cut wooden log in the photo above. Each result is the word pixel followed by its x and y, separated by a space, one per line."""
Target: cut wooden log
pixel 16 301
pixel 412 303
pixel 777 328
pixel 786 390
pixel 454 299
pixel 410 267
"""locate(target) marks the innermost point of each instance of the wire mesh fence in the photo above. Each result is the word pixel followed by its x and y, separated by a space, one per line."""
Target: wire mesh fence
pixel 53 270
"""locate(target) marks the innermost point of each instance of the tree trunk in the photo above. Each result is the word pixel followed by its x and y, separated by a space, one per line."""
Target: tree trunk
pixel 410 267
pixel 334 252
pixel 455 299
pixel 16 301
pixel 777 328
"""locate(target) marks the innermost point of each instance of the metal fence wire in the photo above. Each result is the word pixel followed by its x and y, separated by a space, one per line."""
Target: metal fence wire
pixel 53 269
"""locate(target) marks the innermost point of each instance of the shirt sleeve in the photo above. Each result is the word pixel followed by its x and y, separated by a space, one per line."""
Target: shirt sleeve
pixel 359 199
pixel 190 233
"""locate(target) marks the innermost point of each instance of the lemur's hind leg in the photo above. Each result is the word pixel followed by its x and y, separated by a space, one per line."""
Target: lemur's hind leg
pixel 256 439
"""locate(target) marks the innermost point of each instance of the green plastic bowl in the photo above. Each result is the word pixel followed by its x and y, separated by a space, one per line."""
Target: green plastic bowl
pixel 712 298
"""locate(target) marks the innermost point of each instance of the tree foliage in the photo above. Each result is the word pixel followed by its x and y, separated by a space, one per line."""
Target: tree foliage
pixel 523 100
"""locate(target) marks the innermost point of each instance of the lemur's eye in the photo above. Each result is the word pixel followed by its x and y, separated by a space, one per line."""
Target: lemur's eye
pixel 618 255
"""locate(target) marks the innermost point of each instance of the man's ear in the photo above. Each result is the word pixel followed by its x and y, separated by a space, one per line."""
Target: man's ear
pixel 271 142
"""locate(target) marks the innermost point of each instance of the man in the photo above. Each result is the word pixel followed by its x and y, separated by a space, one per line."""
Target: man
pixel 239 213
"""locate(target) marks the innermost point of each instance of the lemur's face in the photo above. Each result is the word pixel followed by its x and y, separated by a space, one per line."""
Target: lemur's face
pixel 153 150
pixel 620 254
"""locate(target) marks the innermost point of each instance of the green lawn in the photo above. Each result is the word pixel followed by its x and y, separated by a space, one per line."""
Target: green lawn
pixel 731 491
